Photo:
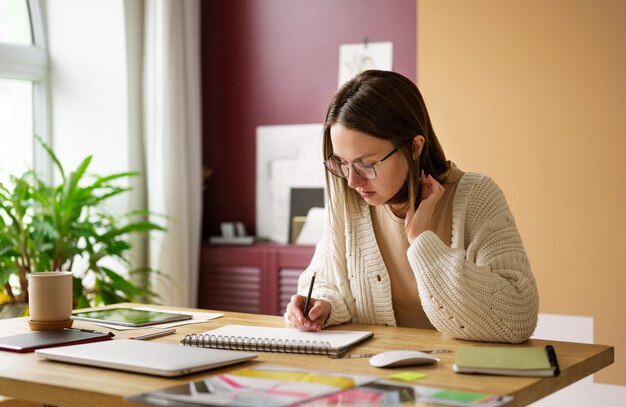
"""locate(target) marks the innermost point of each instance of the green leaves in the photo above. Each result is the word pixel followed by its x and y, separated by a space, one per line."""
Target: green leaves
pixel 55 227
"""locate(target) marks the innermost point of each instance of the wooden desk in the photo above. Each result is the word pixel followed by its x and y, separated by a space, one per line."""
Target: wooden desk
pixel 25 376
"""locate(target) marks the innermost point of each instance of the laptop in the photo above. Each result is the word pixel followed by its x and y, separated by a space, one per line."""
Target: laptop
pixel 154 358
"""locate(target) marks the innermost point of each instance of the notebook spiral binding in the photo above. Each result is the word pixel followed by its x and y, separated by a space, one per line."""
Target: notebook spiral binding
pixel 257 344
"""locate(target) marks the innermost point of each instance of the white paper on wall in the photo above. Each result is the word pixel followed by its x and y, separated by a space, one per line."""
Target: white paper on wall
pixel 288 156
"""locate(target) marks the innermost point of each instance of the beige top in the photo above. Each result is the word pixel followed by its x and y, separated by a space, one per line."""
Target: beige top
pixel 392 241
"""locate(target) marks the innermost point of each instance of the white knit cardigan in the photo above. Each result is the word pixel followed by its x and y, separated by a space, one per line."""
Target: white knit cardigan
pixel 481 288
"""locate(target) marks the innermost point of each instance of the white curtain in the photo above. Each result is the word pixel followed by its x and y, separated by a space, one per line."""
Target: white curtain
pixel 172 144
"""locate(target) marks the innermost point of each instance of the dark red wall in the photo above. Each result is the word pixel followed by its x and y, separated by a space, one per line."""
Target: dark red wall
pixel 276 62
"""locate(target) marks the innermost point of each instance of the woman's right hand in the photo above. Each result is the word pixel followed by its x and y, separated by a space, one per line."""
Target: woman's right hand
pixel 319 311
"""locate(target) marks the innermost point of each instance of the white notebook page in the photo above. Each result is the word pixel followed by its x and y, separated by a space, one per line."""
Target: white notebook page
pixel 337 339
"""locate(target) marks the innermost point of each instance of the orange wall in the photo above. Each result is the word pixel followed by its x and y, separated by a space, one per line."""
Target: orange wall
pixel 533 93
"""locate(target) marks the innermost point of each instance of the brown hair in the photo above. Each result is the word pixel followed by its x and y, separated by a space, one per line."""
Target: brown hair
pixel 388 106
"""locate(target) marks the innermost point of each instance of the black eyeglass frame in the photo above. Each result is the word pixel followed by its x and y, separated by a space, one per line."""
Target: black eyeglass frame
pixel 328 164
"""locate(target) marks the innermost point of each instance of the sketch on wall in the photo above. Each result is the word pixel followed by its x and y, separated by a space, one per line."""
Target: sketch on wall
pixel 288 156
pixel 356 58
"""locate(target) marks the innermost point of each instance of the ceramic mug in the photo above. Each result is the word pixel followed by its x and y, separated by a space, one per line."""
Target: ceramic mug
pixel 50 296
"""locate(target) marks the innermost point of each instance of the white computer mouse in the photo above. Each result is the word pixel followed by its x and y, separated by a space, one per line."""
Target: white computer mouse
pixel 396 358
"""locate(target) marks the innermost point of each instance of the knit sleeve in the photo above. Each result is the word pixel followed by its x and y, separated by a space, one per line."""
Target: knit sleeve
pixel 329 264
pixel 485 291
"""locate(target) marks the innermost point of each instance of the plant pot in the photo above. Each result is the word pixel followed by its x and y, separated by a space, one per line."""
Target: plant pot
pixel 13 310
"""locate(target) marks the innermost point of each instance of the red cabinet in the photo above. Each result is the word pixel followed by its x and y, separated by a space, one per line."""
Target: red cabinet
pixel 259 278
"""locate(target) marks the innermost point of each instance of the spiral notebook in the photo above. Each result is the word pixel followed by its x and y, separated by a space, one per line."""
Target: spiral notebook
pixel 269 339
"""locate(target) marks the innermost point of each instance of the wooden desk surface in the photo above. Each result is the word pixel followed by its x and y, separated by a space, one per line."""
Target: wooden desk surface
pixel 27 377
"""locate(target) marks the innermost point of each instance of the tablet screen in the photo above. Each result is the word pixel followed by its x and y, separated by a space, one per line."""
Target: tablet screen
pixel 129 316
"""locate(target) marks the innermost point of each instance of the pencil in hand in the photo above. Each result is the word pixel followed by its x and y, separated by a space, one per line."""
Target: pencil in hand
pixel 305 311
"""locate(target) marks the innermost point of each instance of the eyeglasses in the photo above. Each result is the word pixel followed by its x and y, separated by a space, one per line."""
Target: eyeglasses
pixel 342 170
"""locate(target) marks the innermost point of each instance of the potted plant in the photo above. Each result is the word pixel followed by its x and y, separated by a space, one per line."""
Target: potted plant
pixel 67 227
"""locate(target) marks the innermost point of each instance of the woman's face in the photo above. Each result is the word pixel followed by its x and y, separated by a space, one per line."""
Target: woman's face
pixel 350 146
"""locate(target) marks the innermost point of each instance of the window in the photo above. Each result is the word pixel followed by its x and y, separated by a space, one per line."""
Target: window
pixel 23 87
pixel 15 23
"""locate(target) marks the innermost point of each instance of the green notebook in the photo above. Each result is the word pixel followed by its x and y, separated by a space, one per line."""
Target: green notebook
pixel 507 361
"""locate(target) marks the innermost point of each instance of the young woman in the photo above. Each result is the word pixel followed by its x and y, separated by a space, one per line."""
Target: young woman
pixel 410 240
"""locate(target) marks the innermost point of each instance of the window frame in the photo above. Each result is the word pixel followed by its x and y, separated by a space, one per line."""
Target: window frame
pixel 30 62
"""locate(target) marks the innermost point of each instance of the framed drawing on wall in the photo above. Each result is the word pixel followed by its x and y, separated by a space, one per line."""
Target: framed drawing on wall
pixel 302 200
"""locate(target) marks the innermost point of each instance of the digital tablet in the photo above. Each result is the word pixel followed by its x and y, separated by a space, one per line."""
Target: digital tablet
pixel 129 316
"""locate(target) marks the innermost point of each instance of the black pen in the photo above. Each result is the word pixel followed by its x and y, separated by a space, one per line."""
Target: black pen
pixel 111 334
pixel 308 297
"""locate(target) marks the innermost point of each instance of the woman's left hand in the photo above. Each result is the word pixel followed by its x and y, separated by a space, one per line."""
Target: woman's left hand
pixel 432 191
